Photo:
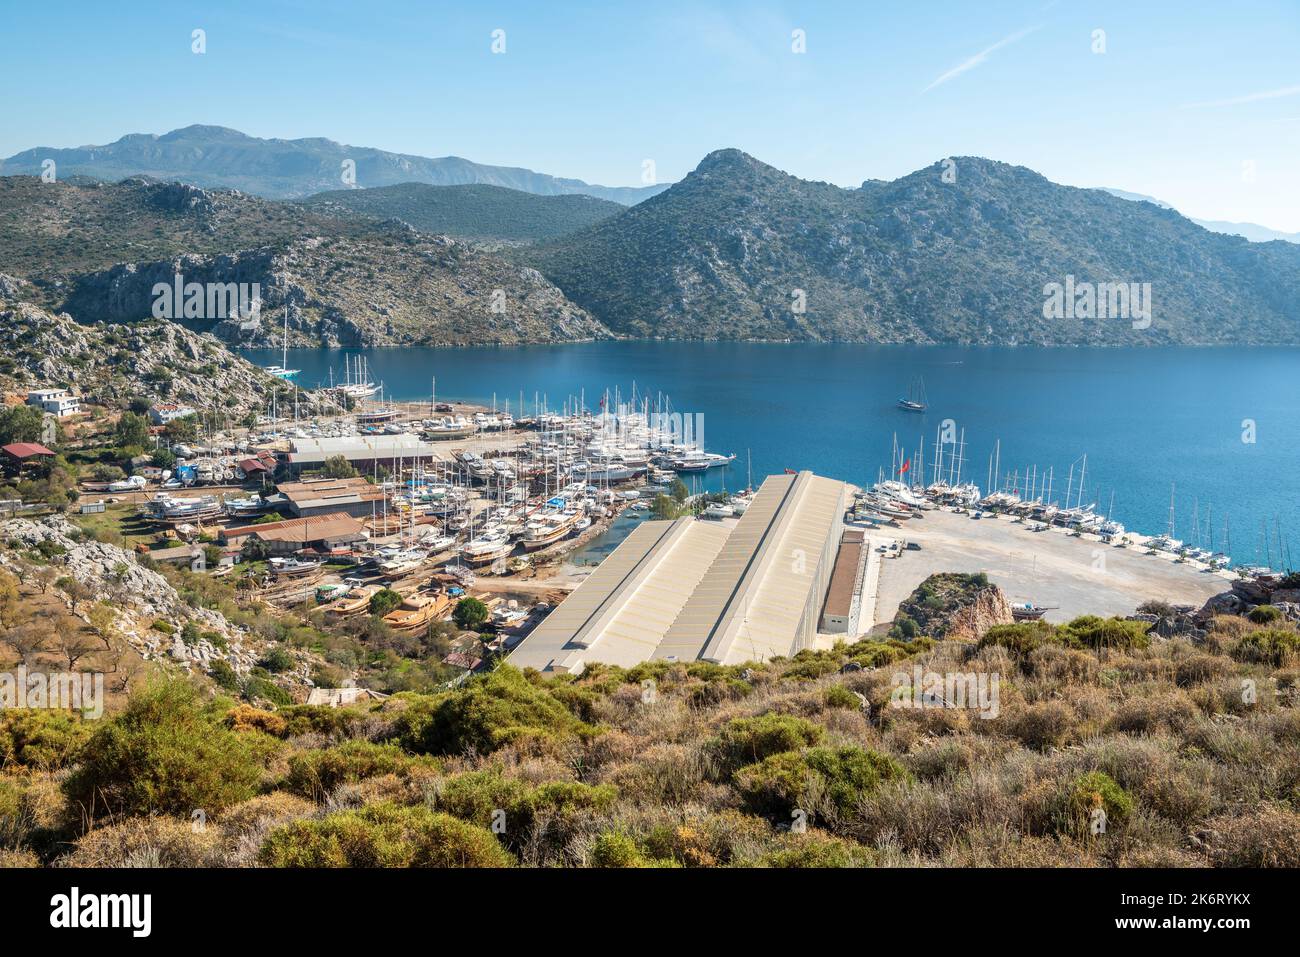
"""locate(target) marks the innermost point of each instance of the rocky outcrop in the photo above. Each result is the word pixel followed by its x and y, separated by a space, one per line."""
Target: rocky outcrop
pixel 141 596
pixel 10 287
pixel 1249 593
pixel 392 286
pixel 955 606
pixel 114 363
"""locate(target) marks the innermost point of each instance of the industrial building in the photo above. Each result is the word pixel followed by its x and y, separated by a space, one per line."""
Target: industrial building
pixel 325 533
pixel 687 590
pixel 351 496
pixel 362 451
pixel 844 597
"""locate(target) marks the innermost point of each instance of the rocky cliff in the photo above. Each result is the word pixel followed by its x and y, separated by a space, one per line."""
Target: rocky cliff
pixel 115 363
pixel 393 287
pixel 954 606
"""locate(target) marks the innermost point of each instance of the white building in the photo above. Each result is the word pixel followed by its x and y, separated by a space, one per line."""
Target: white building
pixel 57 402
pixel 165 412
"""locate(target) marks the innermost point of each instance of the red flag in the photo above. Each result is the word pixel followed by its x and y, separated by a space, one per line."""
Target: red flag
pixel 791 472
pixel 906 465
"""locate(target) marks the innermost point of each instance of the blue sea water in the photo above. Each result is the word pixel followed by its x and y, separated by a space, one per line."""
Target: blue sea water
pixel 1219 425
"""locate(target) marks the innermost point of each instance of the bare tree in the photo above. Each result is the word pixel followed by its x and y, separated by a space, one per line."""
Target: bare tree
pixel 73 643
pixel 31 638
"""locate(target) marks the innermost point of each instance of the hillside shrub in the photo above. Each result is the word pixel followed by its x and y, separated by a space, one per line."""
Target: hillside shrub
pixel 383 835
pixel 164 753
pixel 832 777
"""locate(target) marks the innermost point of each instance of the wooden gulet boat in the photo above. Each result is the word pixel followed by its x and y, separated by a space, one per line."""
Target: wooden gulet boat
pixel 418 610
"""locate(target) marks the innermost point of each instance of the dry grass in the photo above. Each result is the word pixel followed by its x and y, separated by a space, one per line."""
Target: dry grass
pixel 1190 769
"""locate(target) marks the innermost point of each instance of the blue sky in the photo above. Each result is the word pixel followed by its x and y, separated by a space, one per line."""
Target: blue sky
pixel 1194 102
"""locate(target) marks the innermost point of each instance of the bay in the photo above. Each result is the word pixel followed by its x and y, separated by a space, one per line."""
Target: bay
pixel 1220 425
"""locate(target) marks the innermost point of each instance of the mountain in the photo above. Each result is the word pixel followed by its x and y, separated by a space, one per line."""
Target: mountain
pixel 214 156
pixel 736 247
pixel 98 251
pixel 477 212
pixel 113 363
pixel 49 230
pixel 1251 231
pixel 393 286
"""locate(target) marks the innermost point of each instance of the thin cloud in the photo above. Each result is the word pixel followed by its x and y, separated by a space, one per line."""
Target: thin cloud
pixel 1248 98
pixel 981 57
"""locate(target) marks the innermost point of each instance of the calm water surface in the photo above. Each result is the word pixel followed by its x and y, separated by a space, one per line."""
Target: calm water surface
pixel 1146 418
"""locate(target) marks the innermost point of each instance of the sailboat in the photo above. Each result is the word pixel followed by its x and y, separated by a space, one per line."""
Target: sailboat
pixel 282 371
pixel 915 400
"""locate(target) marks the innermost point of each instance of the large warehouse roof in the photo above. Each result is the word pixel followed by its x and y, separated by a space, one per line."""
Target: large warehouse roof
pixel 324 493
pixel 360 448
pixel 688 590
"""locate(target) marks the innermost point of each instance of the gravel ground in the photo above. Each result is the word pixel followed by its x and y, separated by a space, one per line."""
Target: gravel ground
pixel 1081 575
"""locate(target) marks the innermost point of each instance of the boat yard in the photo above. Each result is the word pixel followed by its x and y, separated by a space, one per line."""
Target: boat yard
pixel 1081 575
pixel 457 500
pixel 691 589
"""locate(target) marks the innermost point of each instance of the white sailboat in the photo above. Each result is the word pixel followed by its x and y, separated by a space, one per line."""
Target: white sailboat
pixel 282 371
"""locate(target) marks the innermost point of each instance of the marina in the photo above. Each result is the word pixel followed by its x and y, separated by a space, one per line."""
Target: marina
pixel 832 408
pixel 535 497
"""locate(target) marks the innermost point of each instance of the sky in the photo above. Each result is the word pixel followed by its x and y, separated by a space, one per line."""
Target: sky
pixel 1196 103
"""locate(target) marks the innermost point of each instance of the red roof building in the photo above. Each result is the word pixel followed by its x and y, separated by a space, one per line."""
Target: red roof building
pixel 25 450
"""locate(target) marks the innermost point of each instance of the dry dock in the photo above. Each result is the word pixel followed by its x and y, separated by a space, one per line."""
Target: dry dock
pixel 1081 575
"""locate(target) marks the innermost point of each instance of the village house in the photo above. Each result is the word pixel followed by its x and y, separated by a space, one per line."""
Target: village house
pixel 56 402
pixel 162 413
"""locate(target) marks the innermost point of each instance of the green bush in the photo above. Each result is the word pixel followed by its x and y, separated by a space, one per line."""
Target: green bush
pixel 333 723
pixel 277 660
pixel 257 687
pixel 1273 646
pixel 838 696
pixel 615 849
pixel 166 753
pixel 476 796
pixel 1264 614
pixel 40 740
pixel 224 675
pixel 748 740
pixel 315 774
pixel 486 713
pixel 384 601
pixel 383 835
pixel 1095 633
pixel 1020 638
pixel 814 849
pixel 832 777
pixel 1088 792
pixel 873 653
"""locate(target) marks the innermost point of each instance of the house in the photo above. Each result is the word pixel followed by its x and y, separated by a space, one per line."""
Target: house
pixel 162 413
pixel 56 402
pixel 322 533
pixel 191 556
